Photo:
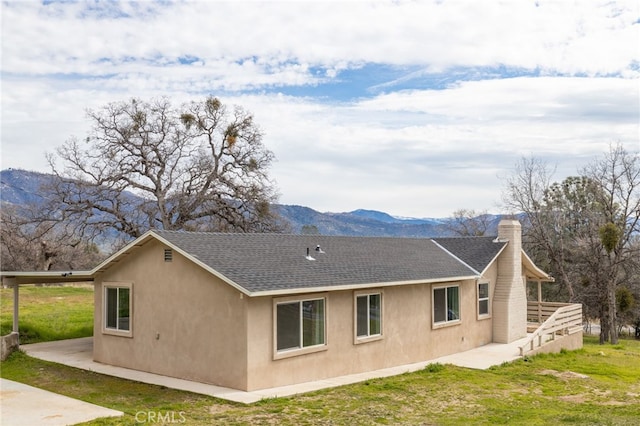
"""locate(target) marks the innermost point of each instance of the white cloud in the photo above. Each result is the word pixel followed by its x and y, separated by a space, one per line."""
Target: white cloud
pixel 586 37
pixel 416 151
pixel 410 145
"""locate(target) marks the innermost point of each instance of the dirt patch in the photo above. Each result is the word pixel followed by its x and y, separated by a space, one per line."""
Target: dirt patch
pixel 613 403
pixel 595 396
pixel 577 399
pixel 566 375
pixel 217 409
pixel 602 393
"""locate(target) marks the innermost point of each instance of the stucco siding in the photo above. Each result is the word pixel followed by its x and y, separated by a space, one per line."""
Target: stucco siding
pixel 408 336
pixel 185 322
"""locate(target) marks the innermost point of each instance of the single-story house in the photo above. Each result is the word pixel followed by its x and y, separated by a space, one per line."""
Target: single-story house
pixel 255 311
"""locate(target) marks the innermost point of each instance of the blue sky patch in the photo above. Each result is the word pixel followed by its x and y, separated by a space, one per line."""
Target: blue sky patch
pixel 374 79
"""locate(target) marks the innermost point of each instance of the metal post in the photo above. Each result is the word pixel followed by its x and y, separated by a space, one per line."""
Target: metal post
pixel 16 300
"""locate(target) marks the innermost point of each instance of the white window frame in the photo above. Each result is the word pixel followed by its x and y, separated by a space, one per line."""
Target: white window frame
pixel 110 330
pixel 301 350
pixel 479 299
pixel 368 337
pixel 447 322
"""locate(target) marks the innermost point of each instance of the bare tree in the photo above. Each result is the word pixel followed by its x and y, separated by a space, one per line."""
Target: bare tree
pixel 525 192
pixel 149 165
pixel 617 174
pixel 27 245
pixel 582 229
pixel 469 223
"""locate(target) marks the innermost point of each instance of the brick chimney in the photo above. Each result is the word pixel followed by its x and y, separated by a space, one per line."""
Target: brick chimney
pixel 510 297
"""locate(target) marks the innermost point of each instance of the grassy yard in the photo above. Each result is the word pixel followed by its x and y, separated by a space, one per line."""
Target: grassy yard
pixel 598 385
pixel 49 313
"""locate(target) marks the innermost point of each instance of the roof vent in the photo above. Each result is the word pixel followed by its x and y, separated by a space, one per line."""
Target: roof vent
pixel 319 250
pixel 168 255
pixel 308 257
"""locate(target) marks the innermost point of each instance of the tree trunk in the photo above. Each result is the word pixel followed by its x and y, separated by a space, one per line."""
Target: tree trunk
pixel 613 330
pixel 604 323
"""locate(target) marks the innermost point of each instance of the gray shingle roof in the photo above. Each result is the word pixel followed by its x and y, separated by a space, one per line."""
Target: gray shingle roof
pixel 271 262
pixel 476 252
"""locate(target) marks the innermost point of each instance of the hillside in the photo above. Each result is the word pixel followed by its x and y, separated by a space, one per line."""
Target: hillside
pixel 21 187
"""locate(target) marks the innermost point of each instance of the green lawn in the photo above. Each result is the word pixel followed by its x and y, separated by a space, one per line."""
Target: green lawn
pixel 598 385
pixel 49 313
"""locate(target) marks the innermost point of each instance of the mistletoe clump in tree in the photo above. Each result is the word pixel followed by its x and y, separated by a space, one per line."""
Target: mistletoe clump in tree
pixel 149 165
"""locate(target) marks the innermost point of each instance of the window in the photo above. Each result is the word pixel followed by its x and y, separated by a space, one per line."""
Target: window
pixel 368 315
pixel 300 324
pixel 117 308
pixel 483 299
pixel 446 304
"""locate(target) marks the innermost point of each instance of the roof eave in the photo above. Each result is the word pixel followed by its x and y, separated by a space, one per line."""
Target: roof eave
pixel 114 258
pixel 493 260
pixel 536 273
pixel 200 263
pixel 331 288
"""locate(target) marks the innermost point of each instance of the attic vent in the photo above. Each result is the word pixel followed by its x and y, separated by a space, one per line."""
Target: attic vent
pixel 168 255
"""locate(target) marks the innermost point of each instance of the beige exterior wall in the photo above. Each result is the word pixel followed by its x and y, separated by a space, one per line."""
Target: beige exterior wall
pixel 186 323
pixel 408 336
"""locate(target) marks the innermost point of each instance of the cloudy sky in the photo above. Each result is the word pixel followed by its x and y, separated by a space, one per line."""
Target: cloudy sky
pixel 415 108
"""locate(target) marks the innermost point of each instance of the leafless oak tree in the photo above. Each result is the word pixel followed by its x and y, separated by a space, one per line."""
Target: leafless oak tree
pixel 148 165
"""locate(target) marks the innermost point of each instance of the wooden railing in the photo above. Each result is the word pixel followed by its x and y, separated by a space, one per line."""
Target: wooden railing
pixel 554 319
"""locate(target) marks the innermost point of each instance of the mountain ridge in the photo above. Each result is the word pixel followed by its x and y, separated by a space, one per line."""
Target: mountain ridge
pixel 21 187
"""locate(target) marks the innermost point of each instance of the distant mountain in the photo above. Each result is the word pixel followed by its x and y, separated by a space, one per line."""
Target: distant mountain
pixel 387 218
pixel 358 223
pixel 21 187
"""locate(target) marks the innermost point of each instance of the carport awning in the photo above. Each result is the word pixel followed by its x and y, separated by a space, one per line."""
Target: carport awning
pixel 10 278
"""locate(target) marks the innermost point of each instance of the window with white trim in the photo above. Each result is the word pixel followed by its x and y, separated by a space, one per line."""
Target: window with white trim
pixel 368 315
pixel 446 304
pixel 117 308
pixel 483 300
pixel 300 324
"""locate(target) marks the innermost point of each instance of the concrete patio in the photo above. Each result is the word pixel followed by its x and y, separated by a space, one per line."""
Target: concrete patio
pixel 78 353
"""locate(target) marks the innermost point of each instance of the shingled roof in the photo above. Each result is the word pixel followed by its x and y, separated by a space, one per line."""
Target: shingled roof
pixel 274 263
pixel 477 252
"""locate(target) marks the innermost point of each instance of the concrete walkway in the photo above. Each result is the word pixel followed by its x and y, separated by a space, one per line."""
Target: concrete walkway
pixel 78 353
pixel 24 405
